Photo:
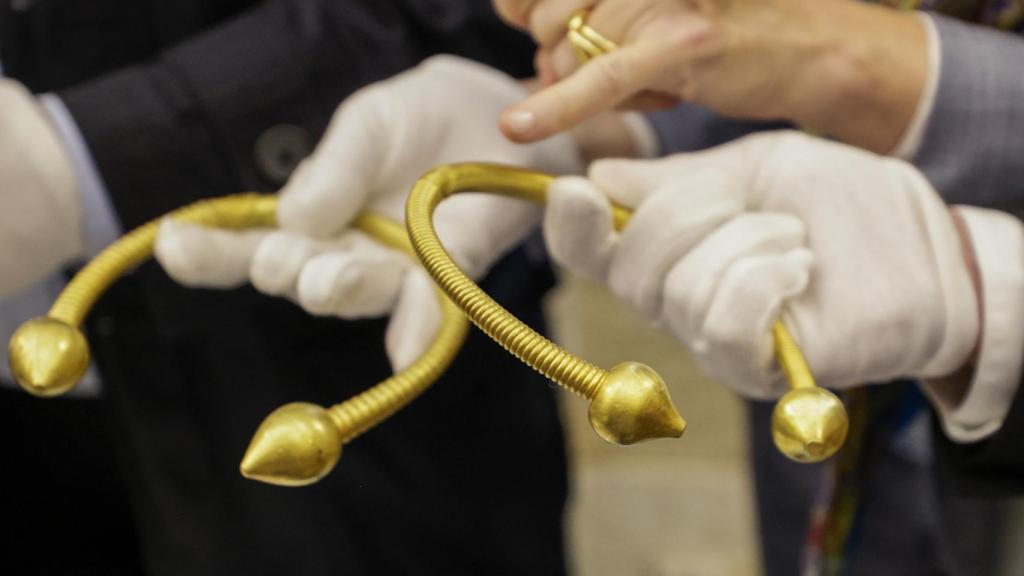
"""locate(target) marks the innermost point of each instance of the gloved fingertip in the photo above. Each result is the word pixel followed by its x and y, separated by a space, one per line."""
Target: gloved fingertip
pixel 401 350
pixel 573 199
pixel 326 282
pixel 578 226
pixel 169 250
pixel 172 237
pixel 575 186
pixel 173 231
pixel 319 199
pixel 610 169
pixel 625 181
pixel 278 261
pixel 351 284
pixel 197 256
pixel 415 321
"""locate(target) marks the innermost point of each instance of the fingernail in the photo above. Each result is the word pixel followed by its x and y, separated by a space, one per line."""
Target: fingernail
pixel 520 122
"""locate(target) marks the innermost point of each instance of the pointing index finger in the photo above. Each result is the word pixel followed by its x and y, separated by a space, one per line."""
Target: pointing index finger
pixel 598 86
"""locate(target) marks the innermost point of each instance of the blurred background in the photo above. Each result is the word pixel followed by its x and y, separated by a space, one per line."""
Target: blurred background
pixel 662 508
pixel 672 508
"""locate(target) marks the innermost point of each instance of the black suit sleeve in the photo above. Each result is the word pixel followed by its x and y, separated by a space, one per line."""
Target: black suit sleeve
pixel 187 125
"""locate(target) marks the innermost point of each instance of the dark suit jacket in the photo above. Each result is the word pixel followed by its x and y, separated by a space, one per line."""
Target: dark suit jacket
pixel 194 98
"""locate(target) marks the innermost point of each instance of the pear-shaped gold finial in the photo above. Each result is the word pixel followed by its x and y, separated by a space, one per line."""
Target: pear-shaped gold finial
pixel 633 405
pixel 296 445
pixel 48 356
pixel 809 424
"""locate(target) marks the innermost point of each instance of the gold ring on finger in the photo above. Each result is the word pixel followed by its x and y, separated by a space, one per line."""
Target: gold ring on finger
pixel 586 42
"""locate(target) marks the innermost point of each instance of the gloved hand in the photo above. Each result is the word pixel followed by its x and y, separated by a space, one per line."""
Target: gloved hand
pixel 40 214
pixel 379 142
pixel 855 252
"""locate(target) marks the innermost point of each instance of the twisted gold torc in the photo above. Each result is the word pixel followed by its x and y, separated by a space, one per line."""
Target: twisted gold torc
pixel 630 403
pixel 298 443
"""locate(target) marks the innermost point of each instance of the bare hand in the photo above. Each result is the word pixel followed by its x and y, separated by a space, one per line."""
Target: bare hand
pixel 850 70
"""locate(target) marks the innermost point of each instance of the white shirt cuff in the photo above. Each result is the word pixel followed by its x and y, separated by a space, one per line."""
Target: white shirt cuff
pixel 910 143
pixel 998 240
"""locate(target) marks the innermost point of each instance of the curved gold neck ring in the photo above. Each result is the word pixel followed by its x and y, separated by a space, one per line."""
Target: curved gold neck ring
pixel 630 403
pixel 299 443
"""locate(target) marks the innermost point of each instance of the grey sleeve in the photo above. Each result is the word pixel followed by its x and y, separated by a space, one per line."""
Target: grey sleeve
pixel 973 146
pixel 688 127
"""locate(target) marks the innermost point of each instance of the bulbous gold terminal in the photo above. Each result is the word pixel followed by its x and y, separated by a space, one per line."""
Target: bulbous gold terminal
pixel 48 356
pixel 809 424
pixel 633 405
pixel 300 443
pixel 296 445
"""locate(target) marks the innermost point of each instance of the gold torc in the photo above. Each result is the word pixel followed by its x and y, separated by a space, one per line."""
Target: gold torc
pixel 299 443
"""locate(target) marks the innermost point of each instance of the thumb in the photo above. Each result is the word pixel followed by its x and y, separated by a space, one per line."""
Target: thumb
pixel 478 229
pixel 415 321
pixel 630 182
pixel 578 227
pixel 737 164
pixel 331 187
pixel 736 346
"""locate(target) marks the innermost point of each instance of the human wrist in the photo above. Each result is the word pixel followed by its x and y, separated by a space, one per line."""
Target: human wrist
pixel 912 139
pixel 864 75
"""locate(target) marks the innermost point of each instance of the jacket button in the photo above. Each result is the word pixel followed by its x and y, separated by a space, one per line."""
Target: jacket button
pixel 279 150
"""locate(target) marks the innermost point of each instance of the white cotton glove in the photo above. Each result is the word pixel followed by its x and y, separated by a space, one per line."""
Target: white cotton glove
pixel 40 214
pixel 856 253
pixel 379 142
